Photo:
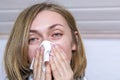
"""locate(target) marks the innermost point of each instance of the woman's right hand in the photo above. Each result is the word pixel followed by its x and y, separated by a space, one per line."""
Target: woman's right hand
pixel 38 73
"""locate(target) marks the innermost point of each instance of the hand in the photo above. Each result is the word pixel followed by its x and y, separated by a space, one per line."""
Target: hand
pixel 60 67
pixel 38 73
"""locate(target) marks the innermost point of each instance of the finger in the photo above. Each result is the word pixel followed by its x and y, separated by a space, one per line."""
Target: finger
pixel 61 54
pixel 43 75
pixel 40 63
pixel 54 69
pixel 35 64
pixel 48 72
pixel 57 62
pixel 38 68
pixel 62 59
pixel 65 65
pixel 61 62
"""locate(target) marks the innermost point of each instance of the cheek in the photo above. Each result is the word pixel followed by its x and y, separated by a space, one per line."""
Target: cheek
pixel 31 52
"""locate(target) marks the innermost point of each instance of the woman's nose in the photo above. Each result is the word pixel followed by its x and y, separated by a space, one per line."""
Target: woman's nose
pixel 46 38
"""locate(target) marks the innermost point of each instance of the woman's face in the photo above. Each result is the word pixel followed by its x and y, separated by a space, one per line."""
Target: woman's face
pixel 51 26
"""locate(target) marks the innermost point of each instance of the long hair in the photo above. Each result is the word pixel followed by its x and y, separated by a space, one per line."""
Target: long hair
pixel 16 52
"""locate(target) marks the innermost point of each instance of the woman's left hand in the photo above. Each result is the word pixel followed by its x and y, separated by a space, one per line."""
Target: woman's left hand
pixel 60 67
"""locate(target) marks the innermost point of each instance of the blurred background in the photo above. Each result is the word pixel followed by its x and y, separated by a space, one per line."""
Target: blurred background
pixel 99 24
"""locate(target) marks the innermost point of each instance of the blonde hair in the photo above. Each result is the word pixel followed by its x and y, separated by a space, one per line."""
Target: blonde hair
pixel 16 58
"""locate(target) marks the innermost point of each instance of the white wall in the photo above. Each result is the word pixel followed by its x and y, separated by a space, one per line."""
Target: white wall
pixel 2 46
pixel 103 57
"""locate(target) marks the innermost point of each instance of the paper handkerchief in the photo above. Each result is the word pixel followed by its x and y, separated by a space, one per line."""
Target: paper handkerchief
pixel 47 49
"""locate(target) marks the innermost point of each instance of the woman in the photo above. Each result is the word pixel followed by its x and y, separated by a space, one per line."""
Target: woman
pixel 45 21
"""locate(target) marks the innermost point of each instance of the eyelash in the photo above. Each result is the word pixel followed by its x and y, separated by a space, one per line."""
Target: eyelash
pixel 31 39
pixel 56 35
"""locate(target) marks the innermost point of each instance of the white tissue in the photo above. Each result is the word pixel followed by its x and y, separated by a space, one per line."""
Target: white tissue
pixel 47 49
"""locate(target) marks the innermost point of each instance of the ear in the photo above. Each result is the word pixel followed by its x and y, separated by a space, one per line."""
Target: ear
pixel 74 46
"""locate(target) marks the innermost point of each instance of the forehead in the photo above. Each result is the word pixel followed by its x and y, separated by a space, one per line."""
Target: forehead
pixel 47 18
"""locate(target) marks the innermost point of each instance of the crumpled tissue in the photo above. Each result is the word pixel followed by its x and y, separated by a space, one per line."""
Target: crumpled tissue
pixel 47 48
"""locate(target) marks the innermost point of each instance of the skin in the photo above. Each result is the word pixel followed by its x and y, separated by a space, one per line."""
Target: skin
pixel 53 27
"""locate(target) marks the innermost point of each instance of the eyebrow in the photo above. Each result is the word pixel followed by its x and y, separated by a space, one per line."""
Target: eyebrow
pixel 54 25
pixel 35 31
